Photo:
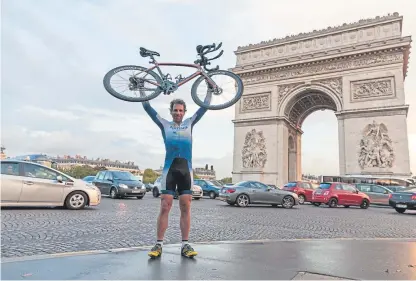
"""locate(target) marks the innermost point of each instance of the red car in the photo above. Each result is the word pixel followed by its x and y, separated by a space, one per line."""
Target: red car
pixel 303 189
pixel 338 193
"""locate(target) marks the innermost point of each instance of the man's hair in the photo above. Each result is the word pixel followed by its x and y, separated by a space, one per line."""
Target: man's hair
pixel 177 101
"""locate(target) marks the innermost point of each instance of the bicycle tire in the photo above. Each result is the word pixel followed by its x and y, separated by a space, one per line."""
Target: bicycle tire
pixel 114 93
pixel 238 95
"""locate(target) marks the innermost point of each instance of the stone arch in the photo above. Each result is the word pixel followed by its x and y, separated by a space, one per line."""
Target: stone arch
pixel 319 96
pixel 354 69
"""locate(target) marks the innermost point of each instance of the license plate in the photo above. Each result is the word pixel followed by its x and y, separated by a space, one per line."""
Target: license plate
pixel 136 191
pixel 401 206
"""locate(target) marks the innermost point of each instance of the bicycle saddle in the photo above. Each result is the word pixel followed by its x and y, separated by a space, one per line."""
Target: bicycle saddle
pixel 145 53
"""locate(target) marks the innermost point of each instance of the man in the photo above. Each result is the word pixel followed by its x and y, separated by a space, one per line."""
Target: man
pixel 177 172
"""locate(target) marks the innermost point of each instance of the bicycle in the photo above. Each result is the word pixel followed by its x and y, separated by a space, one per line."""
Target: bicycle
pixel 165 84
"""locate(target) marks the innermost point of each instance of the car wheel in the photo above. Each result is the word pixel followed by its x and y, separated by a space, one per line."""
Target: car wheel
pixel 400 210
pixel 155 192
pixel 212 195
pixel 76 200
pixel 365 204
pixel 288 202
pixel 301 199
pixel 140 197
pixel 333 203
pixel 113 193
pixel 243 200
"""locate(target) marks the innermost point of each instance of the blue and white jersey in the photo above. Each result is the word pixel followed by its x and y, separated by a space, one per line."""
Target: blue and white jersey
pixel 177 138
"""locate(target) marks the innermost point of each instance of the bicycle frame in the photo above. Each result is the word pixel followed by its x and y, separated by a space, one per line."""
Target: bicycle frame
pixel 185 80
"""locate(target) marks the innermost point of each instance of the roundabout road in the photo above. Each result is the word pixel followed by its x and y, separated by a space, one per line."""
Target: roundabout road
pixel 124 223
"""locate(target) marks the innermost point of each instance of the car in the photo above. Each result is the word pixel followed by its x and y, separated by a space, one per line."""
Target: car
pixel 379 195
pixel 210 188
pixel 197 193
pixel 32 184
pixel 88 179
pixel 339 193
pixel 119 184
pixel 302 188
pixel 403 200
pixel 245 193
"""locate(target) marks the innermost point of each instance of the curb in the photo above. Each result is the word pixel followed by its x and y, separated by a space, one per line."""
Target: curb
pixel 167 246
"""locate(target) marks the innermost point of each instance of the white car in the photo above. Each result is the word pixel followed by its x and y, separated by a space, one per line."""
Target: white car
pixel 196 192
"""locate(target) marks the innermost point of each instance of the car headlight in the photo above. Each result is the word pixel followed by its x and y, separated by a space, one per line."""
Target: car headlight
pixel 143 187
pixel 122 185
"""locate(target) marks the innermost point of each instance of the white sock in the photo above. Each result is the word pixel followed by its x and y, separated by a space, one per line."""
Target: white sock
pixel 160 242
pixel 184 242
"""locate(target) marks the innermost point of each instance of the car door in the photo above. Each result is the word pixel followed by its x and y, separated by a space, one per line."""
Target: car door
pixel 380 195
pixel 40 185
pixel 259 192
pixel 308 191
pixel 11 182
pixel 98 181
pixel 351 196
pixel 107 182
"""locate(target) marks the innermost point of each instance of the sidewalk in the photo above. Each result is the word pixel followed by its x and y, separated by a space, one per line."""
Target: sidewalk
pixel 382 259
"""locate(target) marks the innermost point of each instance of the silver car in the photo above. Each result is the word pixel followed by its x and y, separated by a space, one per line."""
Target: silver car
pixel 26 183
pixel 253 192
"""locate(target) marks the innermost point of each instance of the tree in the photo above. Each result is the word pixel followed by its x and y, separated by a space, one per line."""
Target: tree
pixel 149 176
pixel 195 176
pixel 227 180
pixel 80 172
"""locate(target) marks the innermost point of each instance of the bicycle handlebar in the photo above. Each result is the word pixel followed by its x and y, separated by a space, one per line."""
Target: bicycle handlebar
pixel 203 50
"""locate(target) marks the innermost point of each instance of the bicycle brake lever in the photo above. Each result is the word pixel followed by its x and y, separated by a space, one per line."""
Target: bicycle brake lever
pixel 217 56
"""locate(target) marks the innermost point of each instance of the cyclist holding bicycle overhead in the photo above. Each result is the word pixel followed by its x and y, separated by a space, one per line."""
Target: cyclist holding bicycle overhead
pixel 177 172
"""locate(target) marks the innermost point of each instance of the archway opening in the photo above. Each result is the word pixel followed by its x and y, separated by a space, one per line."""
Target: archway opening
pixel 315 152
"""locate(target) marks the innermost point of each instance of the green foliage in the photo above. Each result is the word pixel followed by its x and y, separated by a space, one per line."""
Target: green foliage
pixel 227 180
pixel 149 176
pixel 80 172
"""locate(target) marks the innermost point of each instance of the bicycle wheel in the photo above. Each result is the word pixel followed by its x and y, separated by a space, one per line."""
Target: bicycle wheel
pixel 143 83
pixel 234 89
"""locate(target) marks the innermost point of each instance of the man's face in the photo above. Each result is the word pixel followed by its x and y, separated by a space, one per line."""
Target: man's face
pixel 178 112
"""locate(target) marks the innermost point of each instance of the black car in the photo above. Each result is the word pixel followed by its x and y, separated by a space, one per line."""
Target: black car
pixel 403 200
pixel 119 184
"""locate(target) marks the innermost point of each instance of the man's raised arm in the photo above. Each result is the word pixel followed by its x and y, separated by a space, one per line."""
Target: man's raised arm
pixel 153 114
pixel 201 111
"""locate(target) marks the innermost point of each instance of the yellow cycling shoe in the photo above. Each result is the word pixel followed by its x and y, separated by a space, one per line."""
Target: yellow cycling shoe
pixel 156 251
pixel 188 251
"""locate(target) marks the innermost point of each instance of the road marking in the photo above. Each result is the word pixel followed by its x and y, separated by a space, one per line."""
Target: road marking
pixel 167 246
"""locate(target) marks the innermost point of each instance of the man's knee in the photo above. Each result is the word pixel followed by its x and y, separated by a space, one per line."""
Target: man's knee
pixel 166 203
pixel 185 202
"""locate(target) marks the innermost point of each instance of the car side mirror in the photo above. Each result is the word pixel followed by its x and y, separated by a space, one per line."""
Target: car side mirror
pixel 59 179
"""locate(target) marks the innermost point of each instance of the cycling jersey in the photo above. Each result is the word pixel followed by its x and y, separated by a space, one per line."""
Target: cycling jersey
pixel 178 145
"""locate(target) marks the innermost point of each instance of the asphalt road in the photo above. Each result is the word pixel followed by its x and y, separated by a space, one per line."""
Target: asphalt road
pixel 131 222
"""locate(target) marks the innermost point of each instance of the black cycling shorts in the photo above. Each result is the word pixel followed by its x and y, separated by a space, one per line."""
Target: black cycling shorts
pixel 178 178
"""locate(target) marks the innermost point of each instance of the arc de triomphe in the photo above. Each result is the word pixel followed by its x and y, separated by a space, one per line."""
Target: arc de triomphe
pixel 357 70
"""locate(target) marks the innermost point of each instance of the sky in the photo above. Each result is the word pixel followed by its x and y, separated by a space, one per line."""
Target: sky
pixel 55 53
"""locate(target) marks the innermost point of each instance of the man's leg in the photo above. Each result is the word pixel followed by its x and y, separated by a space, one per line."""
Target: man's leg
pixel 168 187
pixel 163 219
pixel 185 199
pixel 185 221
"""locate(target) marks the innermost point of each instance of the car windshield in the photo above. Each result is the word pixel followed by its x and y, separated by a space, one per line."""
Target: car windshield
pixel 126 176
pixel 324 185
pixel 290 184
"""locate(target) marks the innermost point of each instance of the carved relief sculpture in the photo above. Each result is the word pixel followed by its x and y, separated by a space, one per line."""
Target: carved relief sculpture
pixel 334 83
pixel 255 102
pixel 323 67
pixel 376 147
pixel 375 88
pixel 254 154
pixel 284 90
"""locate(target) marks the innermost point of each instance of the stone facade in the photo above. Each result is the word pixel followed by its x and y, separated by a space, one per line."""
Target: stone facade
pixel 357 70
